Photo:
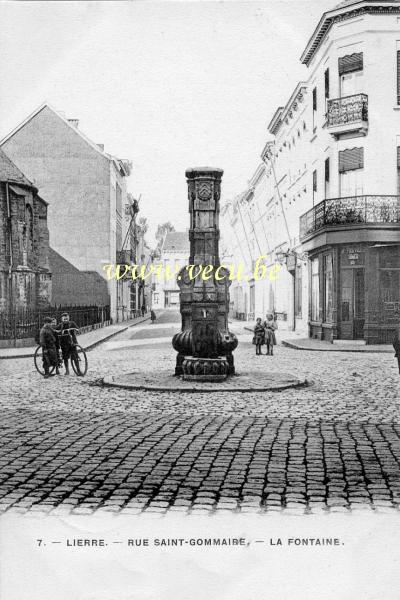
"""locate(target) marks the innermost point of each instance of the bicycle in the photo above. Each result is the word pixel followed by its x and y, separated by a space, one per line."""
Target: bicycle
pixel 77 357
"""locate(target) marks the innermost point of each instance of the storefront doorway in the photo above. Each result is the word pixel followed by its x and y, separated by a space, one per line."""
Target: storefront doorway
pixel 352 303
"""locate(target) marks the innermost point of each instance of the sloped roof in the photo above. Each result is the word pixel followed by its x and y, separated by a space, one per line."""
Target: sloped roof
pixel 123 165
pixel 177 242
pixel 10 172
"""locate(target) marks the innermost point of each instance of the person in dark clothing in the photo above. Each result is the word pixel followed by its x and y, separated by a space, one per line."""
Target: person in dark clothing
pixel 396 346
pixel 67 331
pixel 152 316
pixel 259 336
pixel 49 343
pixel 143 309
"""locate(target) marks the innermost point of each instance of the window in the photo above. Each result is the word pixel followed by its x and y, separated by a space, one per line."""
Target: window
pixel 326 77
pixel 314 184
pixel 351 170
pixel 351 74
pixel 398 77
pixel 327 170
pixel 118 199
pixel 298 291
pixel 398 170
pixel 315 289
pixel 314 105
pixel 328 291
pixel 327 176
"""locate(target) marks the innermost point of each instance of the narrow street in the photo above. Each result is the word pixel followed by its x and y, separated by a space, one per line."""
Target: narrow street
pixel 69 444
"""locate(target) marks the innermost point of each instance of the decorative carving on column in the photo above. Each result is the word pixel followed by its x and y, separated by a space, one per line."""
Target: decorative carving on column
pixel 205 344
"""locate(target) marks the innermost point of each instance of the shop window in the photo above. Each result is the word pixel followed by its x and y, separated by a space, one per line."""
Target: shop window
pixel 298 291
pixel 328 289
pixel 315 289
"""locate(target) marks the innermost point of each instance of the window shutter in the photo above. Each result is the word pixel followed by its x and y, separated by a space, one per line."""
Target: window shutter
pixel 314 176
pixel 350 63
pixel 314 99
pixel 327 83
pixel 398 77
pixel 351 159
pixel 398 157
pixel 327 170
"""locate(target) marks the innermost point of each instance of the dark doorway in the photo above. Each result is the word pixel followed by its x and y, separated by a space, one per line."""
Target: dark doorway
pixel 352 304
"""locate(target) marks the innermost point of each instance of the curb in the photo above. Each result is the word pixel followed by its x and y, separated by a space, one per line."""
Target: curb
pixel 87 348
pixel 333 349
pixel 109 382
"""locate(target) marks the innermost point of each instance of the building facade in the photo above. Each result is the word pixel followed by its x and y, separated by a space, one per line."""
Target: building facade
pixel 329 203
pixel 86 191
pixel 25 277
pixel 174 255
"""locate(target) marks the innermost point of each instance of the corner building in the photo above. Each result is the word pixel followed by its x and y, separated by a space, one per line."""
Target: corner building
pixel 352 230
pixel 325 201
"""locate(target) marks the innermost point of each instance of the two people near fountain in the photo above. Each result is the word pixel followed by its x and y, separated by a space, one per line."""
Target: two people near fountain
pixel 264 334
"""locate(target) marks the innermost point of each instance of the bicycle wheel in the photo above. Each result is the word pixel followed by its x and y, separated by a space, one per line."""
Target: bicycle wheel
pixel 39 362
pixel 79 361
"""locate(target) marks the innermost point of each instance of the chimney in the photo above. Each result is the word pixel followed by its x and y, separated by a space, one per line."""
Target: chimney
pixel 74 122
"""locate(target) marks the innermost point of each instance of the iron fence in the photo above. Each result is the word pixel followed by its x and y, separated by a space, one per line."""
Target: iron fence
pixel 26 323
pixel 349 109
pixel 350 210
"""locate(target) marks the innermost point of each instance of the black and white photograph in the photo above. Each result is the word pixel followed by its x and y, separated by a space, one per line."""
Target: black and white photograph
pixel 200 300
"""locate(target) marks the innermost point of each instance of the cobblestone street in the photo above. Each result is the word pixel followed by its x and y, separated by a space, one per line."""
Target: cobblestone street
pixel 69 444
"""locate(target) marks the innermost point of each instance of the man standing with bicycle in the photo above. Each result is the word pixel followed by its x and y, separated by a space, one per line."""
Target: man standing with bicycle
pixel 67 331
pixel 48 341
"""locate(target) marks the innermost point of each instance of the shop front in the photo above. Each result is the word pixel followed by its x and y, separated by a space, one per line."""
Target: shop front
pixel 355 292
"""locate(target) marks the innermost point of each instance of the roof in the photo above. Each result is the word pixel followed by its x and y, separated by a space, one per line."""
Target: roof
pixel 345 10
pixel 10 172
pixel 120 164
pixel 177 242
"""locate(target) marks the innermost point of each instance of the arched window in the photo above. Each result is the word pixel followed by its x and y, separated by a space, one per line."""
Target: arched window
pixel 29 228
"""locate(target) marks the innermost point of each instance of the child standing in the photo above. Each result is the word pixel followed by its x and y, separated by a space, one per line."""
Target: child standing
pixel 259 335
pixel 270 327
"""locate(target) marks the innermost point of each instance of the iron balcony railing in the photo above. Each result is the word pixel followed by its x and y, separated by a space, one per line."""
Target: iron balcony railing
pixel 349 109
pixel 124 257
pixel 349 211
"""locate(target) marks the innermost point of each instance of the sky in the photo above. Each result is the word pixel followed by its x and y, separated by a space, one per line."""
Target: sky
pixel 167 85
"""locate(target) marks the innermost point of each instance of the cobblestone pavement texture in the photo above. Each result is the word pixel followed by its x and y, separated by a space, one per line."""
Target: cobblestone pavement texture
pixel 70 445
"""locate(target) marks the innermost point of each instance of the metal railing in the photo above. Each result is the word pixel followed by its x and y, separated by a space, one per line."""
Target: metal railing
pixel 26 323
pixel 350 210
pixel 124 257
pixel 349 109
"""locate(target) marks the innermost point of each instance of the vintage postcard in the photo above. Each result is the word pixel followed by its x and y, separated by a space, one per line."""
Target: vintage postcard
pixel 200 300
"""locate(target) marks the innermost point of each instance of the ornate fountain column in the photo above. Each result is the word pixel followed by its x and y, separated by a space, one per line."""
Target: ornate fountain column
pixel 205 344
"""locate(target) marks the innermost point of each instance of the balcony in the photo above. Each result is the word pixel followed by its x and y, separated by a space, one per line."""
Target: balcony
pixel 124 257
pixel 353 211
pixel 348 115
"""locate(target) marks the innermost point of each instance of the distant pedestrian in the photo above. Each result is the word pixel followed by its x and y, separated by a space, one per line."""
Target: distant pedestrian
pixel 143 309
pixel 48 341
pixel 259 336
pixel 396 346
pixel 270 327
pixel 152 316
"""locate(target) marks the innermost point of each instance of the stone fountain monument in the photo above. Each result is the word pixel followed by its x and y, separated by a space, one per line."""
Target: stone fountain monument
pixel 204 344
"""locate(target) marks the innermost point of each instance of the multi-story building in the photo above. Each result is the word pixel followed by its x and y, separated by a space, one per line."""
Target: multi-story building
pixel 331 208
pixel 174 256
pixel 86 191
pixel 25 278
